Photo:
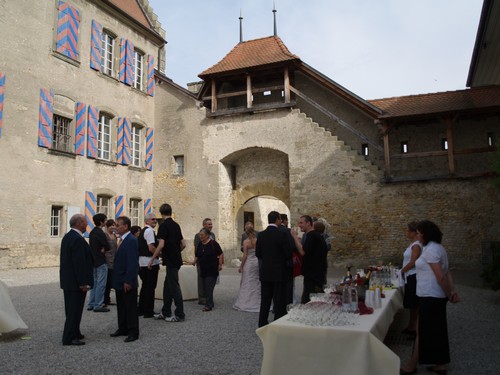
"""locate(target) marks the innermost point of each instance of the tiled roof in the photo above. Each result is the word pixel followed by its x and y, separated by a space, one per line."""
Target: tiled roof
pixel 132 8
pixel 439 103
pixel 252 53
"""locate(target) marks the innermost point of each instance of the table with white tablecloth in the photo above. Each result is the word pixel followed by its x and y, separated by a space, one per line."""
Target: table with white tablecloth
pixel 294 348
pixel 188 280
pixel 9 318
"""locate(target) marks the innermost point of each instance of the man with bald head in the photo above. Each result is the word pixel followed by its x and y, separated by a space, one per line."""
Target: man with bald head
pixel 76 277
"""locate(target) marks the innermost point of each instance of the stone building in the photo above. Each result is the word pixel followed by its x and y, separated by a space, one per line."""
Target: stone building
pixel 262 130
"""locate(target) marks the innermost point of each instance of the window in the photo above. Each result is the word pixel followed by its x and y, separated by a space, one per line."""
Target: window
pixel 134 211
pixel 179 164
pixel 138 69
pixel 55 221
pixel 444 144
pixel 267 93
pixel 491 139
pixel 107 53
pixel 136 145
pixel 61 138
pixel 364 149
pixel 404 147
pixel 104 140
pixel 103 205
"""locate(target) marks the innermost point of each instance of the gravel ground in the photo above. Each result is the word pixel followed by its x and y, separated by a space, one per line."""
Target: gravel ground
pixel 220 342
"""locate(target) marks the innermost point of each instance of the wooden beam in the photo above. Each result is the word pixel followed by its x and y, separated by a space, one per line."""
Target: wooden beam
pixel 449 137
pixel 287 85
pixel 387 155
pixel 249 91
pixel 214 96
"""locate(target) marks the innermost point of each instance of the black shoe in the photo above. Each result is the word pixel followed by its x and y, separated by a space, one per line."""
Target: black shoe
pixel 75 342
pixel 146 316
pixel 90 308
pixel 118 333
pixel 130 338
pixel 101 309
pixel 80 337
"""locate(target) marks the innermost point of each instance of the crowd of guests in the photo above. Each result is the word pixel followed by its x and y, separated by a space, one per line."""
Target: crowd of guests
pixel 118 253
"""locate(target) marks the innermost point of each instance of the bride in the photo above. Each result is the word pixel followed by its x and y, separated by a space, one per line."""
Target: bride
pixel 249 294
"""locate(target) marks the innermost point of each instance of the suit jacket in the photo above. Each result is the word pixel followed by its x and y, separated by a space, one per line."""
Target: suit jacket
pixel 98 241
pixel 126 265
pixel 273 249
pixel 76 267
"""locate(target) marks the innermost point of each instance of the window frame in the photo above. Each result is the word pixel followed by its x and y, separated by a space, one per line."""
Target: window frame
pixel 136 145
pixel 179 168
pixel 101 141
pixel 103 204
pixel 56 221
pixel 138 70
pixel 64 122
pixel 134 210
pixel 108 54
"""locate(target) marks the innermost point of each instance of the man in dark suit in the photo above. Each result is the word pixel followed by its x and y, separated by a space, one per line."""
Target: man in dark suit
pixel 125 269
pixel 76 277
pixel 274 252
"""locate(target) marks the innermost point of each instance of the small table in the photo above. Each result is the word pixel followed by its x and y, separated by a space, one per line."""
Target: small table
pixel 293 348
pixel 188 280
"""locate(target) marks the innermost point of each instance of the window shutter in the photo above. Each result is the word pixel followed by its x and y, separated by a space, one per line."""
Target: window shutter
pixel 68 21
pixel 123 143
pixel 95 46
pixel 45 118
pixel 151 75
pixel 92 131
pixel 2 97
pixel 90 210
pixel 123 49
pixel 149 149
pixel 129 63
pixel 81 124
pixel 148 206
pixel 118 206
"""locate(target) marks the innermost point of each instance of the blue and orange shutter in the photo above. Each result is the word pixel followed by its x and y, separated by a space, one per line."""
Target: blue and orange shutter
pixel 149 149
pixel 151 75
pixel 68 21
pixel 81 124
pixel 92 131
pixel 90 210
pixel 45 118
pixel 126 73
pixel 119 206
pixel 123 144
pixel 96 45
pixel 123 50
pixel 2 98
pixel 148 206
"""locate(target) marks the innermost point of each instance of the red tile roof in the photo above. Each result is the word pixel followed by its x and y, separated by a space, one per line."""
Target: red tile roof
pixel 439 103
pixel 133 9
pixel 252 53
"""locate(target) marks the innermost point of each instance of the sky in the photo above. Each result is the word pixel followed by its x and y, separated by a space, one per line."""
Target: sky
pixel 374 48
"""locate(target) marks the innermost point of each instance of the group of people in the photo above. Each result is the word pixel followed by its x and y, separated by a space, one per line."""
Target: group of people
pixel 428 288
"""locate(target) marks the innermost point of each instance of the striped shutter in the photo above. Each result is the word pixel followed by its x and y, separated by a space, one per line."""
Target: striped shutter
pixel 45 118
pixel 96 45
pixel 148 206
pixel 81 124
pixel 129 63
pixel 151 75
pixel 68 21
pixel 123 144
pixel 92 132
pixel 2 98
pixel 123 50
pixel 119 206
pixel 90 210
pixel 149 149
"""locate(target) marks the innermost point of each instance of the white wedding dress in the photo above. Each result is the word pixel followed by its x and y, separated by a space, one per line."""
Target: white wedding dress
pixel 249 295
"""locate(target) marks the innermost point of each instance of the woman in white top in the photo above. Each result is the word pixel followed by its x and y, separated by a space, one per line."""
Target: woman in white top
pixel 434 289
pixel 410 256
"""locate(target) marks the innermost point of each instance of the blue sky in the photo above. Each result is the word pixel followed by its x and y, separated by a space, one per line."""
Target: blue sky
pixel 374 48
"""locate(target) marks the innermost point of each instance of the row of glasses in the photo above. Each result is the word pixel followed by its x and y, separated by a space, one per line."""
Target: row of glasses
pixel 321 314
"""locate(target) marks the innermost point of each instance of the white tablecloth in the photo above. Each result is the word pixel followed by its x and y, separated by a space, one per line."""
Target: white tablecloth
pixel 188 280
pixel 293 348
pixel 9 318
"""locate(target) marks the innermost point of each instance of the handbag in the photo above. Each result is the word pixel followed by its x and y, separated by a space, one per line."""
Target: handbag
pixel 297 264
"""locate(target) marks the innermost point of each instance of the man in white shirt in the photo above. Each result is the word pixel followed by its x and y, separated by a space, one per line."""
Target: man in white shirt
pixel 149 276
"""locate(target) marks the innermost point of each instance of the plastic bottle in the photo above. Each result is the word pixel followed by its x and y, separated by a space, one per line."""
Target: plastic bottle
pixel 354 299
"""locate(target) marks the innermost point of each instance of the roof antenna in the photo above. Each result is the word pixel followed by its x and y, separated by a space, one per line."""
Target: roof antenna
pixel 241 27
pixel 274 15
